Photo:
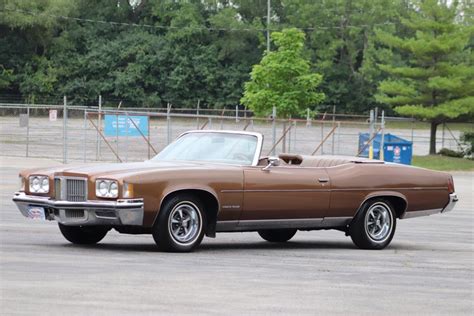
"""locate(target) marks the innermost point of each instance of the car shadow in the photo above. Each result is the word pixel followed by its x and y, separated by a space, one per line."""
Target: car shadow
pixel 223 246
pixel 257 246
pixel 263 245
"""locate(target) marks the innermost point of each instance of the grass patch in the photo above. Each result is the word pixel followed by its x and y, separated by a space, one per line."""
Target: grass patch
pixel 443 163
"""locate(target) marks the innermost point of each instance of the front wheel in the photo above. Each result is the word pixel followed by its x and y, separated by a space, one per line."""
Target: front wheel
pixel 374 226
pixel 277 235
pixel 83 235
pixel 180 226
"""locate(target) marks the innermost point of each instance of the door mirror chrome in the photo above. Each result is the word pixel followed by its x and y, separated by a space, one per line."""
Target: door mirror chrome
pixel 272 162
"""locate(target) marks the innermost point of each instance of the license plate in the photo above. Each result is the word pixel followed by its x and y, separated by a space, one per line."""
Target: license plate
pixel 36 212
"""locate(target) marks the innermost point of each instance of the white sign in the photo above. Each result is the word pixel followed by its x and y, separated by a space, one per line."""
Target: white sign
pixel 53 115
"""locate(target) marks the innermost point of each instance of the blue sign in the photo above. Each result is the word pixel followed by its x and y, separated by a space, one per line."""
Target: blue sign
pixel 123 125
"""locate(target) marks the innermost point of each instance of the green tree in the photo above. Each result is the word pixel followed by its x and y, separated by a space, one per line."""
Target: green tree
pixel 432 78
pixel 340 43
pixel 283 78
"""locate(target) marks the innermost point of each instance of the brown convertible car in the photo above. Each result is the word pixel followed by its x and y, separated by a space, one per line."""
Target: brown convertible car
pixel 215 181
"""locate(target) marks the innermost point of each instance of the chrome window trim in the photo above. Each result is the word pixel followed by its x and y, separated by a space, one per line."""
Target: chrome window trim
pixel 258 149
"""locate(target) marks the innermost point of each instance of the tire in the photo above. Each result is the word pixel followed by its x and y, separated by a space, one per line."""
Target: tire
pixel 277 235
pixel 83 235
pixel 180 225
pixel 374 225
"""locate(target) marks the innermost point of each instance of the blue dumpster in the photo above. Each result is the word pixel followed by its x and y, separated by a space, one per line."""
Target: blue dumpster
pixel 395 149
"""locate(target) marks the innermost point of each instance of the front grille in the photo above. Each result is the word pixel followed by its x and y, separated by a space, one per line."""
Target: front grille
pixel 57 189
pixel 74 213
pixel 75 190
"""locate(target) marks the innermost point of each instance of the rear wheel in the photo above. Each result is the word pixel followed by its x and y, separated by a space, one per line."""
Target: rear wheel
pixel 277 235
pixel 83 235
pixel 180 226
pixel 374 225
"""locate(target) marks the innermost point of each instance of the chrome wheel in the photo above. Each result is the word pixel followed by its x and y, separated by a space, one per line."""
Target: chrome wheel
pixel 378 222
pixel 185 223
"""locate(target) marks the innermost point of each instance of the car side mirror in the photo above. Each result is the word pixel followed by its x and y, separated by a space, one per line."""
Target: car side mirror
pixel 272 162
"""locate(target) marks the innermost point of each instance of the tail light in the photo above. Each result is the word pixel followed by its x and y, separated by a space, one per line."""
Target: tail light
pixel 450 184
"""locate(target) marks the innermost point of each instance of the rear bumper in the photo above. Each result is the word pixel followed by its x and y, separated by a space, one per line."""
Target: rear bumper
pixel 97 212
pixel 453 198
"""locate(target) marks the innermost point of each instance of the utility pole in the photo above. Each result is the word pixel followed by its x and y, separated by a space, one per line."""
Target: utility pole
pixel 268 25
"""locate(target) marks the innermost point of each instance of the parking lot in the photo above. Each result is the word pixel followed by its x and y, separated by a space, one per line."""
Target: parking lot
pixel 428 268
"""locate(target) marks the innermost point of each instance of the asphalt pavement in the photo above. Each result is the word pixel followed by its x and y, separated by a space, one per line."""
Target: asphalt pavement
pixel 427 269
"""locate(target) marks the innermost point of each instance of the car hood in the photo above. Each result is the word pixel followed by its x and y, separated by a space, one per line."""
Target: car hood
pixel 115 170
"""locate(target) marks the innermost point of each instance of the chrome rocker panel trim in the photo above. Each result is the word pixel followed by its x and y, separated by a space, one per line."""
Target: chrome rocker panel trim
pixel 298 223
pixel 453 198
pixel 97 212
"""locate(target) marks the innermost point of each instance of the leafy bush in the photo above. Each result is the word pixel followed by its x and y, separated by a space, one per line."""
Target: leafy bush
pixel 468 139
pixel 451 153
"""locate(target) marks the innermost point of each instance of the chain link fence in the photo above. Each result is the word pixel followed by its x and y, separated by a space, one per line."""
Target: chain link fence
pixel 75 133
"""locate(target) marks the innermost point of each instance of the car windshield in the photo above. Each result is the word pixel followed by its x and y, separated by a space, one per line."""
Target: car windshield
pixel 238 149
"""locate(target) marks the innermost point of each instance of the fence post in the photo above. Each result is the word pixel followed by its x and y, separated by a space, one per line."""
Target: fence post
pixel 382 125
pixel 236 114
pixel 27 131
pixel 274 112
pixel 442 140
pixel 283 143
pixel 197 112
pixel 338 138
pixel 308 119
pixel 168 123
pixel 126 137
pixel 65 130
pixel 85 136
pixel 117 134
pixel 149 135
pixel 333 124
pixel 289 136
pixel 322 137
pixel 294 137
pixel 99 124
pixel 371 146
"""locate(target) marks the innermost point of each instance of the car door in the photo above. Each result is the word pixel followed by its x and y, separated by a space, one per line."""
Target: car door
pixel 285 192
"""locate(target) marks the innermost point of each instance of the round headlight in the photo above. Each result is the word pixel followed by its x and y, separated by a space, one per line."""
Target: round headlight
pixel 36 184
pixel 45 184
pixel 113 190
pixel 103 189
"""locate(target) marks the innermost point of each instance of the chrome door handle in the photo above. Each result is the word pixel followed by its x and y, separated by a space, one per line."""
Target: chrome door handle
pixel 323 180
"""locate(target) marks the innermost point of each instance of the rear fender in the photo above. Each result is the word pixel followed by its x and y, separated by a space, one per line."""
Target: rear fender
pixel 399 210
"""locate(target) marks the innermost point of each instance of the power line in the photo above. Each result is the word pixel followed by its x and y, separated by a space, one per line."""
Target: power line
pixel 170 27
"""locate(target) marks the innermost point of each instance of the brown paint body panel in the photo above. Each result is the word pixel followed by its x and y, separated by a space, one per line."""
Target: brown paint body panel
pixel 284 192
pixel 352 184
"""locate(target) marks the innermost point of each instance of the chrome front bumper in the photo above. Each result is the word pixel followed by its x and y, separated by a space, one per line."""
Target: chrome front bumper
pixel 97 212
